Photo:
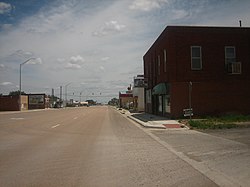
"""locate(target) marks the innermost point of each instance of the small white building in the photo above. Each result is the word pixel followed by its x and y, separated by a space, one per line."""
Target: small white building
pixel 138 93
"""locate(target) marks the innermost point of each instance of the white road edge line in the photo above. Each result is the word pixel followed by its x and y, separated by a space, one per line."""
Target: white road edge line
pixel 55 126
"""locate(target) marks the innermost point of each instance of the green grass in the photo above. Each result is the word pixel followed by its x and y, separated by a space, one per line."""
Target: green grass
pixel 224 122
pixel 235 118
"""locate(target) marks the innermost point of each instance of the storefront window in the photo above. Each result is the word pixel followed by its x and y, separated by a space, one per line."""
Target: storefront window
pixel 167 104
pixel 160 103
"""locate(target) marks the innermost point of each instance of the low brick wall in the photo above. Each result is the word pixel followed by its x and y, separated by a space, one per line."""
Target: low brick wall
pixel 9 103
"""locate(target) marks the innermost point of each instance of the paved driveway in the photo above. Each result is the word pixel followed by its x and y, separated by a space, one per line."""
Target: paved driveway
pixel 241 135
pixel 223 155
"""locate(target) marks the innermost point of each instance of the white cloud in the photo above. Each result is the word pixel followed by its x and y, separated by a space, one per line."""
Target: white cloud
pixel 102 68
pixel 110 27
pixel 76 59
pixel 147 5
pixel 75 62
pixel 72 66
pixel 60 60
pixel 22 54
pixel 35 61
pixel 106 58
pixel 179 14
pixel 5 8
pixel 6 83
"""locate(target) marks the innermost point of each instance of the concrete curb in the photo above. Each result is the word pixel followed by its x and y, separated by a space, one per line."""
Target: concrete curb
pixel 145 124
pixel 150 124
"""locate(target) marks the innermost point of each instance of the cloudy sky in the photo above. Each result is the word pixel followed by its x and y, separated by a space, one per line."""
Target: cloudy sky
pixel 94 46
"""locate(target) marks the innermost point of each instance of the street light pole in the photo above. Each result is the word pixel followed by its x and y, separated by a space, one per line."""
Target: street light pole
pixel 20 83
pixel 66 93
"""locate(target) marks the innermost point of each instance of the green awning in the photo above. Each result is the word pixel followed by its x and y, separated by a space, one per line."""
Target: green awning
pixel 161 89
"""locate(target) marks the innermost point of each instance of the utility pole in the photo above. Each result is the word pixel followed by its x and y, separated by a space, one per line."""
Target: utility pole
pixel 66 86
pixel 60 96
pixel 53 97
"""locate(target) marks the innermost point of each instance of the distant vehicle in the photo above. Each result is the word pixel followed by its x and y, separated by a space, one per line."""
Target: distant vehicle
pixel 58 105
pixel 84 103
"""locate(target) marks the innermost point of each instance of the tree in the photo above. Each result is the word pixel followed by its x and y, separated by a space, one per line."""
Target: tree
pixel 114 102
pixel 13 93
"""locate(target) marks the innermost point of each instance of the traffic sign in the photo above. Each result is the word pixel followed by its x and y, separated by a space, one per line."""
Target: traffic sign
pixel 188 112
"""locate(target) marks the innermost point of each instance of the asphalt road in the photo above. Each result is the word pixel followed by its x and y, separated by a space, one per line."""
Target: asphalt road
pixel 94 146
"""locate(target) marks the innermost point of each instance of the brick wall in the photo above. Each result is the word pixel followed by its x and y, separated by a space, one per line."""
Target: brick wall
pixel 214 89
pixel 211 98
pixel 9 103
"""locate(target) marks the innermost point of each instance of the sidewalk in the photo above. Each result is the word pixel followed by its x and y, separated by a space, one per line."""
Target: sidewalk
pixel 25 111
pixel 153 121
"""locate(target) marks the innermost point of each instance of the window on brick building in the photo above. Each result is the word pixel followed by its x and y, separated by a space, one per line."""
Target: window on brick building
pixel 196 58
pixel 165 60
pixel 230 56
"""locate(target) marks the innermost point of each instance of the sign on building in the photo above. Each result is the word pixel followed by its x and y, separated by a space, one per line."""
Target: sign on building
pixel 188 112
pixel 36 99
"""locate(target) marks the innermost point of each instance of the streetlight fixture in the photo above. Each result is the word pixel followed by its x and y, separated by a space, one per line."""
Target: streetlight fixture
pixel 20 82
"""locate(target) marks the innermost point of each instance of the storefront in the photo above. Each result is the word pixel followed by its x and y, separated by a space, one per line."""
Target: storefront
pixel 161 99
pixel 36 101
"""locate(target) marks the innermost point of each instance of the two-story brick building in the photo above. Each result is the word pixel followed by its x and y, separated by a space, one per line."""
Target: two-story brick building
pixel 204 68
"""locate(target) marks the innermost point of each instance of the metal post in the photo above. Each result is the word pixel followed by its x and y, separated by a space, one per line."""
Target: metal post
pixel 60 96
pixel 20 82
pixel 53 97
pixel 190 98
pixel 66 100
pixel 20 89
pixel 66 96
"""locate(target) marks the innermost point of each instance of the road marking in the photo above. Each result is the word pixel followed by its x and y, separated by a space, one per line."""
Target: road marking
pixel 75 117
pixel 55 126
pixel 17 118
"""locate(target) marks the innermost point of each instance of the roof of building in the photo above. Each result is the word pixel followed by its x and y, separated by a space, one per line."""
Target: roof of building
pixel 125 94
pixel 198 28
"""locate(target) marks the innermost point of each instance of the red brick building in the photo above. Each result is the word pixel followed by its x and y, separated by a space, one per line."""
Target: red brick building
pixel 203 68
pixel 28 102
pixel 12 103
pixel 126 99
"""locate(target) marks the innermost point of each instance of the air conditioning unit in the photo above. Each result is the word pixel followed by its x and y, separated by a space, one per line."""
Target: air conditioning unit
pixel 234 68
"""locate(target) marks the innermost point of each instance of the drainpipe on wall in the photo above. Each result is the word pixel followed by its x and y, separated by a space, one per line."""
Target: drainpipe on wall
pixel 190 97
